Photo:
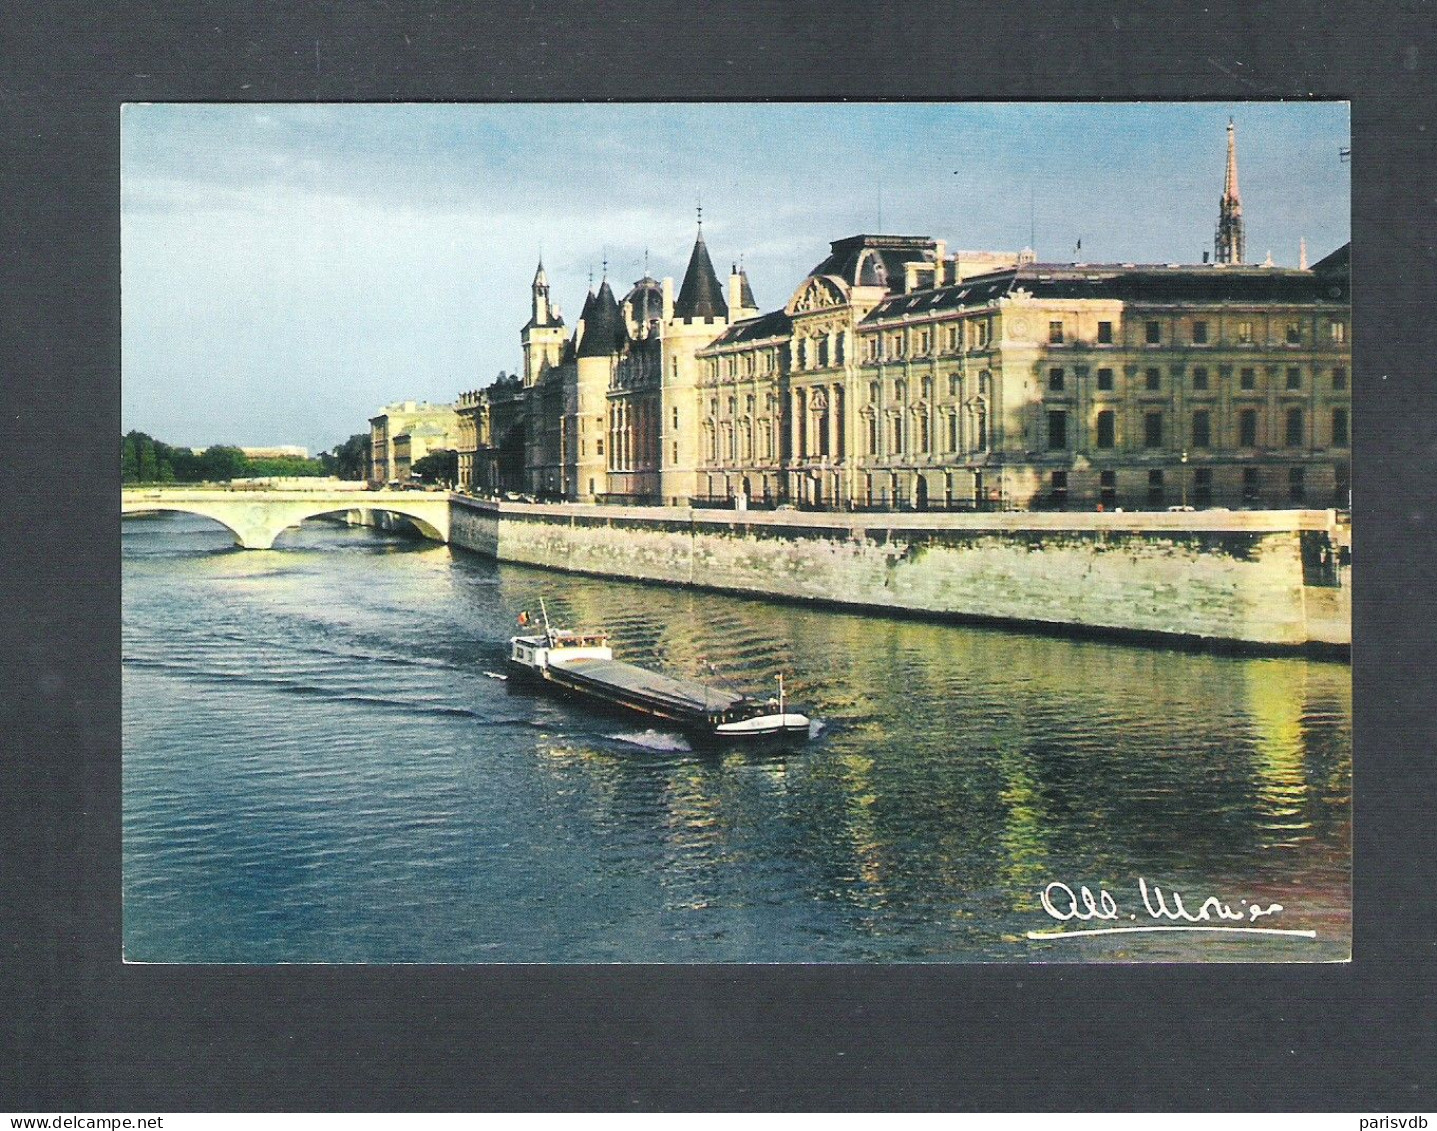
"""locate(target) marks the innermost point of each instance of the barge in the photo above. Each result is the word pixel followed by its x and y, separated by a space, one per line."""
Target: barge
pixel 583 664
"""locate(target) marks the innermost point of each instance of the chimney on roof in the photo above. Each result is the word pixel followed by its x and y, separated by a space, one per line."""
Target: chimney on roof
pixel 1302 254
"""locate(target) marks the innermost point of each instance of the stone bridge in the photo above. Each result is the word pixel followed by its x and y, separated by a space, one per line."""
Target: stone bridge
pixel 258 516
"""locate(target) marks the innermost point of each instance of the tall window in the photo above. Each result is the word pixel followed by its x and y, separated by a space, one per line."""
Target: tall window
pixel 1055 380
pixel 1339 378
pixel 1105 380
pixel 1294 428
pixel 1199 333
pixel 872 434
pixel 1055 333
pixel 1057 431
pixel 1247 428
pixel 1202 486
pixel 1247 378
pixel 1296 487
pixel 1059 493
pixel 1244 332
pixel 1153 380
pixel 1251 488
pixel 1339 428
pixel 1202 429
pixel 1294 334
pixel 1108 489
pixel 1155 487
pixel 953 432
pixel 1153 430
pixel 1339 332
pixel 1294 377
pixel 1107 429
pixel 1200 379
pixel 1153 333
pixel 1105 333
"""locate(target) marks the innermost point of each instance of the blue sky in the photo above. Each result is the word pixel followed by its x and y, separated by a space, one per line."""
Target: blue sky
pixel 288 269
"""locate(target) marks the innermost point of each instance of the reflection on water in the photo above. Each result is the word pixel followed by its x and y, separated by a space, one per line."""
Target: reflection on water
pixel 318 768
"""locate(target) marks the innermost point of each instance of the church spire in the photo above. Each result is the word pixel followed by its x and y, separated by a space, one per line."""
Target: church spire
pixel 1230 244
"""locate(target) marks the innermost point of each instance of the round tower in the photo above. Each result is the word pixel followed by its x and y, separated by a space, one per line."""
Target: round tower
pixel 699 315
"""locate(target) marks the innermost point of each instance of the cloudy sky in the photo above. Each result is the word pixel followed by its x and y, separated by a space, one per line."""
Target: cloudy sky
pixel 288 269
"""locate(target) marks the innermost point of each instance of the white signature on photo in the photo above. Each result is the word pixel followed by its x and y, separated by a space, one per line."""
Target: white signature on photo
pixel 1090 914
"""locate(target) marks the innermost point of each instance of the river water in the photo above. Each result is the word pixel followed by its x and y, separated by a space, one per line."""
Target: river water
pixel 320 766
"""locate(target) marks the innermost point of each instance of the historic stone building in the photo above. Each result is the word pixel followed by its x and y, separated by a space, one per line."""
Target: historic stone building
pixel 902 375
pixel 609 409
pixel 894 378
pixel 490 440
pixel 407 431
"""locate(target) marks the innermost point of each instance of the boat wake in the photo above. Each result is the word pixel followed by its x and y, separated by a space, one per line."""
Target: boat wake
pixel 654 740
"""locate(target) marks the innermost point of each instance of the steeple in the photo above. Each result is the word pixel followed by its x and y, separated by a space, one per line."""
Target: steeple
pixel 1229 245
pixel 544 313
pixel 700 296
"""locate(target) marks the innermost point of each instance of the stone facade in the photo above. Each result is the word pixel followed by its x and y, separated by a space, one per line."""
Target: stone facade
pixel 407 431
pixel 1034 386
pixel 491 438
pixel 609 410
pixel 1277 579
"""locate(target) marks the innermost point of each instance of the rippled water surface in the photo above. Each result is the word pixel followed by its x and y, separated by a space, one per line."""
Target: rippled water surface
pixel 320 766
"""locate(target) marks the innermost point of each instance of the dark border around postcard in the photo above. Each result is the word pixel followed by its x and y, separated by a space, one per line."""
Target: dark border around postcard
pixel 94 1035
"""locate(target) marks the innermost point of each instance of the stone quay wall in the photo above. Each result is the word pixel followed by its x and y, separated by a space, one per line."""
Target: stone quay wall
pixel 1274 579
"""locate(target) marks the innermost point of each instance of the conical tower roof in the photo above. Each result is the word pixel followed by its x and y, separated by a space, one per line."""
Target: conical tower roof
pixel 700 296
pixel 746 292
pixel 603 325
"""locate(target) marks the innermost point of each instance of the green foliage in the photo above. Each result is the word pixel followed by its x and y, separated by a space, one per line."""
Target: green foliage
pixel 284 466
pixel 349 460
pixel 437 467
pixel 143 459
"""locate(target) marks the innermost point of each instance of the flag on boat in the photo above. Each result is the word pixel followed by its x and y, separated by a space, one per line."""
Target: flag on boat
pixel 523 620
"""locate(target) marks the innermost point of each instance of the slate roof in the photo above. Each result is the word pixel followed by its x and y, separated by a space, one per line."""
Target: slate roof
pixel 1127 283
pixel 646 300
pixel 604 330
pixel 875 261
pixel 745 292
pixel 1338 263
pixel 775 324
pixel 700 296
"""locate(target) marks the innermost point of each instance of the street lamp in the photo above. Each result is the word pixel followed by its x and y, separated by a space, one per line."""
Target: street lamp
pixel 1184 477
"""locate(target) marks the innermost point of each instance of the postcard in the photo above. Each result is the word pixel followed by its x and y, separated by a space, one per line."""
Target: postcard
pixel 736 533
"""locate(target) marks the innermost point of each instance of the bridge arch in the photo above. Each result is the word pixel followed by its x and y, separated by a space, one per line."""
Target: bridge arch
pixel 257 518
